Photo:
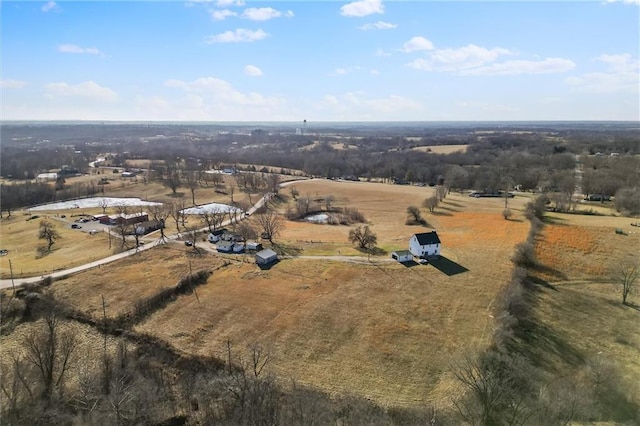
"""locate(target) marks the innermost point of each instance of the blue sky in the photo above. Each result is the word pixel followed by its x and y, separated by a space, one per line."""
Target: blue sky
pixel 368 60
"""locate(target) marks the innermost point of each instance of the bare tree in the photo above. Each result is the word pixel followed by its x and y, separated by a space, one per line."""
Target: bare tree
pixel 191 181
pixel 294 192
pixel 431 203
pixel 271 223
pixel 363 235
pixel 213 218
pixel 328 201
pixel 50 351
pixel 176 212
pixel 48 232
pixel 103 203
pixel 160 213
pixel 273 182
pixel 247 232
pixel 625 279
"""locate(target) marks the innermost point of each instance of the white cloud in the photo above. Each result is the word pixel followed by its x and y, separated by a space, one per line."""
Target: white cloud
pixel 229 3
pixel 72 48
pixel 636 2
pixel 381 53
pixel 87 90
pixel 221 15
pixel 264 13
pixel 217 90
pixel 362 8
pixel 241 35
pixel 12 84
pixel 519 67
pixel 344 71
pixel 374 72
pixel 416 44
pixel 380 25
pixel 621 74
pixel 49 6
pixel 359 106
pixel 252 71
pixel 466 57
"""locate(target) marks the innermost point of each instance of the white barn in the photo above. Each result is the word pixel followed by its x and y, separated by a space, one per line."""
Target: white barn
pixel 424 245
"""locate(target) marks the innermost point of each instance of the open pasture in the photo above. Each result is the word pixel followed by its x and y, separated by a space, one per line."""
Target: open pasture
pixel 441 149
pixel 20 237
pixel 384 206
pixel 126 281
pixel 579 257
pixel 384 331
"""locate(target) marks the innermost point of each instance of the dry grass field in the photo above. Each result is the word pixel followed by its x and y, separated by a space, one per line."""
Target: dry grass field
pixel 442 149
pixel 74 247
pixel 585 309
pixel 130 279
pixel 384 331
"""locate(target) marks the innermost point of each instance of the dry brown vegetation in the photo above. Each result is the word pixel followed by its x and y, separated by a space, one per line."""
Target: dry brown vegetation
pixel 74 247
pixel 579 255
pixel 354 328
pixel 442 149
pixel 129 280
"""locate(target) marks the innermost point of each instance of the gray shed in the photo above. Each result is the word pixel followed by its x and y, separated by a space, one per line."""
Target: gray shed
pixel 266 256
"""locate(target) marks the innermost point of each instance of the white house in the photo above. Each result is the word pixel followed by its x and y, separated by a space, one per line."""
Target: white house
pixel 216 235
pixel 426 244
pixel 224 246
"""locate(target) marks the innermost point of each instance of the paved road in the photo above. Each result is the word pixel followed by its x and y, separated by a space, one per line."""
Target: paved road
pixel 66 272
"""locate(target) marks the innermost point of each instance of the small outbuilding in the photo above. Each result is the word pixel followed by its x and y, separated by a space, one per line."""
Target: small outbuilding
pixel 254 246
pixel 402 256
pixel 425 245
pixel 224 246
pixel 237 248
pixel 266 257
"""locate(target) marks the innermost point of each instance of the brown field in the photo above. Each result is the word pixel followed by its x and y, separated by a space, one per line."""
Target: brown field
pixel 74 248
pixel 130 279
pixel 585 310
pixel 442 149
pixel 387 332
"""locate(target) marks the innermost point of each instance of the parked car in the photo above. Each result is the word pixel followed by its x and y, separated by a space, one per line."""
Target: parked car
pixel 188 243
pixel 75 226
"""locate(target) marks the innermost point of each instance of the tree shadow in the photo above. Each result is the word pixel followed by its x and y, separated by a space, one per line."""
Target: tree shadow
pixel 441 213
pixel 375 251
pixel 548 270
pixel 447 266
pixel 451 203
pixel 450 209
pixel 176 195
pixel 287 250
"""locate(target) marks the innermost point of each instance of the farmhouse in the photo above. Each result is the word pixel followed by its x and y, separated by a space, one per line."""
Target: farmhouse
pixel 216 235
pixel 426 244
pixel 266 256
pixel 402 256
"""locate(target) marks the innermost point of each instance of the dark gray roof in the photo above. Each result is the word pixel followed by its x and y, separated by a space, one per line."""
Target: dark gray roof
pixel 427 238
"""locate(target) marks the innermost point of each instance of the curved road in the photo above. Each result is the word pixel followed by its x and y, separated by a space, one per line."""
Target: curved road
pixel 66 272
